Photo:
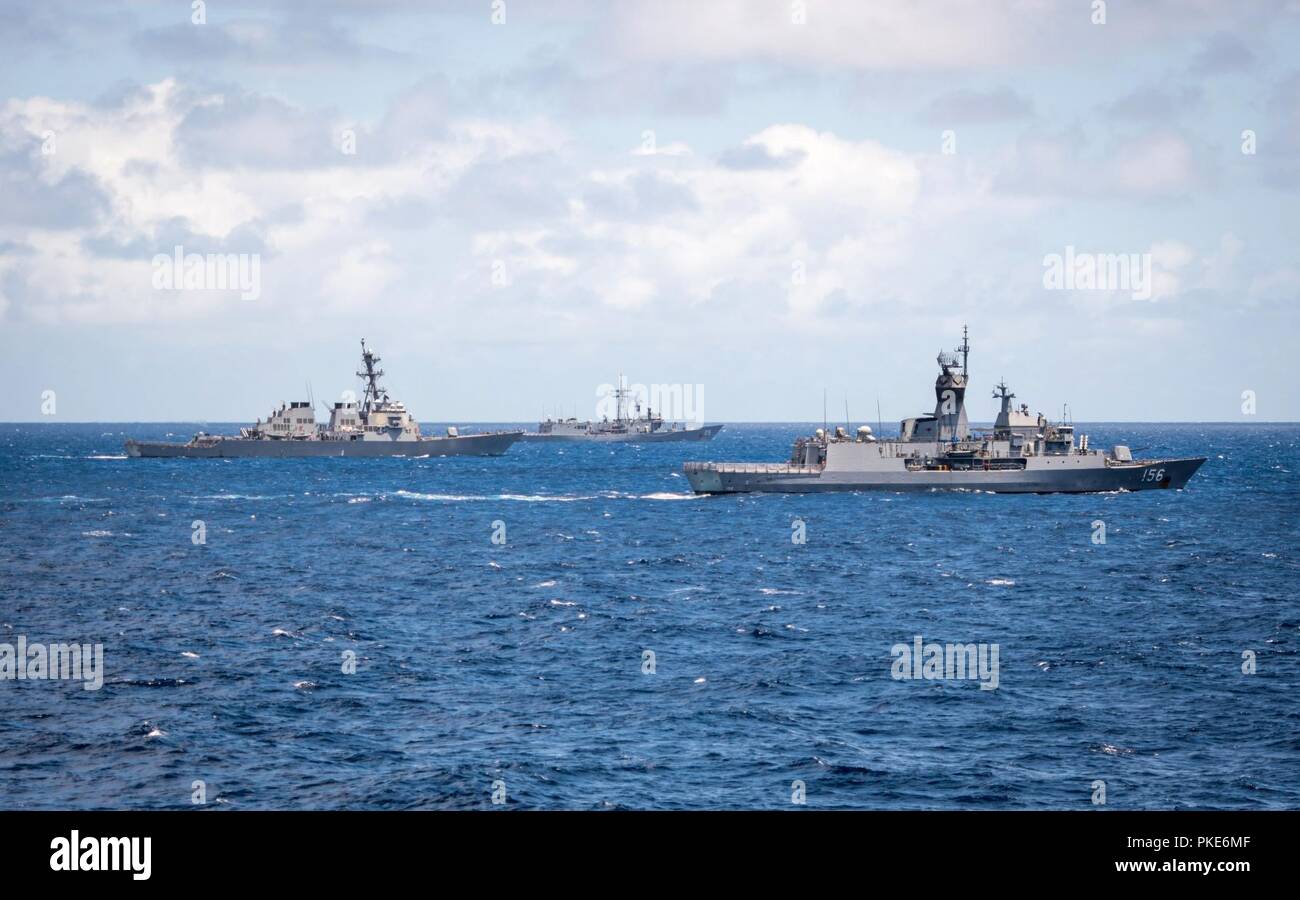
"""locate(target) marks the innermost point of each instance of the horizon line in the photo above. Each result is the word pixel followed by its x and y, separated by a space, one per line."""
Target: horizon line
pixel 709 422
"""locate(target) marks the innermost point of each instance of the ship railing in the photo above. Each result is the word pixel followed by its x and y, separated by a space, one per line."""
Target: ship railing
pixel 753 468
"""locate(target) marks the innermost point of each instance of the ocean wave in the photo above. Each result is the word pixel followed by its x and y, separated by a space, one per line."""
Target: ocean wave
pixel 523 498
pixel 543 498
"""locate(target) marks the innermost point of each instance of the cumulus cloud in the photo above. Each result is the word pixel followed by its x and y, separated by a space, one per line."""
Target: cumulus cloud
pixel 818 223
pixel 130 181
pixel 252 130
pixel 809 221
pixel 40 196
pixel 643 195
pixel 482 189
pixel 789 224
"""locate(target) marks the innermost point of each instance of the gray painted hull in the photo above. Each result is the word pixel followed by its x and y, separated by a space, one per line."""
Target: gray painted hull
pixel 490 444
pixel 728 478
pixel 655 437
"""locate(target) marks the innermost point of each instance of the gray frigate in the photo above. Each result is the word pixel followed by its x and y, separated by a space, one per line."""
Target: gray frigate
pixel 378 426
pixel 629 426
pixel 1022 453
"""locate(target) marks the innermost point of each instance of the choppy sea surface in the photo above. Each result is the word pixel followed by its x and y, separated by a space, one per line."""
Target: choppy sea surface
pixel 520 669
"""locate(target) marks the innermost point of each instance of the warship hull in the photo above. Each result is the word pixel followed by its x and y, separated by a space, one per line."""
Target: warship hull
pixel 490 444
pixel 654 437
pixel 1138 475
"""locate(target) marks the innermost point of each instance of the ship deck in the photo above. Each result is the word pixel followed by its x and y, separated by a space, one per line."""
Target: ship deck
pixel 752 468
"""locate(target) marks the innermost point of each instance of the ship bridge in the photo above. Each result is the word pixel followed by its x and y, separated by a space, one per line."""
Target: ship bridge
pixel 948 423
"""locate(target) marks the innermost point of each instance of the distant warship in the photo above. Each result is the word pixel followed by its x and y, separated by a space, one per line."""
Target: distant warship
pixel 633 428
pixel 1023 453
pixel 380 426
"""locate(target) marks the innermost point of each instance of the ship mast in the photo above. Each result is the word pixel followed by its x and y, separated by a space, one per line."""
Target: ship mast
pixel 620 399
pixel 964 350
pixel 371 376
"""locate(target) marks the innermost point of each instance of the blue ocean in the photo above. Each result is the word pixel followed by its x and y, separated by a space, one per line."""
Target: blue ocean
pixel 334 633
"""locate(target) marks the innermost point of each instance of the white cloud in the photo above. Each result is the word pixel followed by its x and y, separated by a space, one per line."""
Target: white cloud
pixel 310 222
pixel 753 224
pixel 795 235
pixel 923 34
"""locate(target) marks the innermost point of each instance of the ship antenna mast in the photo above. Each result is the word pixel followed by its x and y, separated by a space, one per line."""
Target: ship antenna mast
pixel 964 350
pixel 371 376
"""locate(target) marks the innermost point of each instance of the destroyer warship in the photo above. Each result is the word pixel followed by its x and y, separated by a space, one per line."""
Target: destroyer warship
pixel 379 426
pixel 628 426
pixel 1022 453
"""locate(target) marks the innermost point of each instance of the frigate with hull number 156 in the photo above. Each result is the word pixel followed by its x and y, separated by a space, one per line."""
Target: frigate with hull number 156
pixel 1022 453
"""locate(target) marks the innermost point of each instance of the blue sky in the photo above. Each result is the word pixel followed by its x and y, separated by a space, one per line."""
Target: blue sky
pixel 707 194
